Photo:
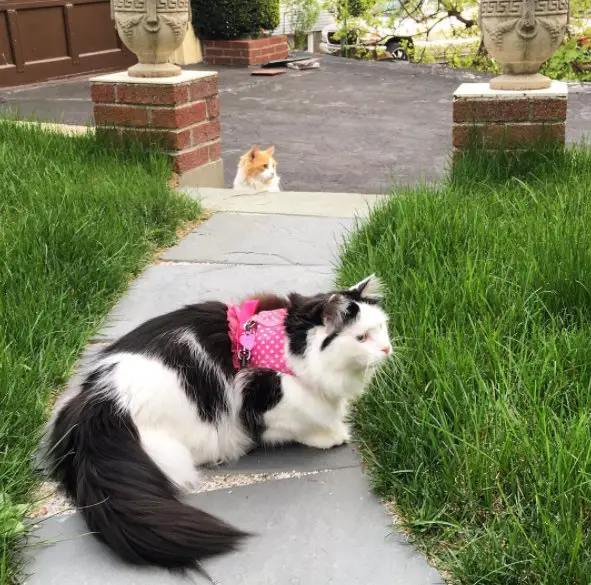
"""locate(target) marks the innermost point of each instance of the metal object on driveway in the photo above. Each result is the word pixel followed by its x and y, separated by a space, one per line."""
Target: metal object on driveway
pixel 283 62
pixel 307 64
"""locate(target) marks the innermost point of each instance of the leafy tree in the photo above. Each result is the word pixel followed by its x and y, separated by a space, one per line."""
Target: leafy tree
pixel 303 15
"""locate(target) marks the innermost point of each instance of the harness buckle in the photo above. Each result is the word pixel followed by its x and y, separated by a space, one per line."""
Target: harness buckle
pixel 247 341
pixel 244 356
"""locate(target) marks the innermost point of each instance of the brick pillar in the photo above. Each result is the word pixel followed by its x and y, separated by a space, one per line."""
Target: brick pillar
pixel 493 118
pixel 243 53
pixel 179 115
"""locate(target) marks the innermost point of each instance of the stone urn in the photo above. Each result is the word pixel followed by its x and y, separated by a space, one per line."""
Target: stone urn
pixel 521 35
pixel 153 30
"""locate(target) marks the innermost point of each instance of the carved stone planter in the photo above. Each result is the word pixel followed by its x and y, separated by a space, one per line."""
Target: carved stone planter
pixel 521 35
pixel 153 30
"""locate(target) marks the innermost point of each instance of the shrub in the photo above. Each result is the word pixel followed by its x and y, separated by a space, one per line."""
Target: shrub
pixel 572 60
pixel 234 19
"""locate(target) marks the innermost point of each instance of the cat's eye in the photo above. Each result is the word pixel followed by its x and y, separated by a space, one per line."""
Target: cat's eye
pixel 363 337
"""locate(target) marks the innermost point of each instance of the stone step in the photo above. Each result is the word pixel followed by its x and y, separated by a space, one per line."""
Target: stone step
pixel 342 205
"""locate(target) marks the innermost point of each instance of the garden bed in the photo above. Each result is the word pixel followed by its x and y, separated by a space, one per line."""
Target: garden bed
pixel 480 433
pixel 77 221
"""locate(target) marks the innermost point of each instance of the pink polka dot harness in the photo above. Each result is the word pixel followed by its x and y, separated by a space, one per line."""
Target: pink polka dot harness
pixel 258 339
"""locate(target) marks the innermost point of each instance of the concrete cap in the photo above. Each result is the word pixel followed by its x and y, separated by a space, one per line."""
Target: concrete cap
pixel 124 77
pixel 558 89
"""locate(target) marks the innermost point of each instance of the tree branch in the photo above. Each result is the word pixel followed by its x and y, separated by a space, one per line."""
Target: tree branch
pixel 455 13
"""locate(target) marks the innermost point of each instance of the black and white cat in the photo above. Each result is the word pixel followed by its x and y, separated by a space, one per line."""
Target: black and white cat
pixel 167 397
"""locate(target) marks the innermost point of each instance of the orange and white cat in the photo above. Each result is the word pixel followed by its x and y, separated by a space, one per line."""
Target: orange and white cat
pixel 257 170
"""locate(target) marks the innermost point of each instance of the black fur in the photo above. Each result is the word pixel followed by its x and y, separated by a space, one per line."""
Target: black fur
pixel 328 340
pixel 304 314
pixel 261 393
pixel 309 312
pixel 125 499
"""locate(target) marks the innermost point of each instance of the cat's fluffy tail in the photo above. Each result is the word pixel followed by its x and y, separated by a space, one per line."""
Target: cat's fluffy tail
pixel 95 452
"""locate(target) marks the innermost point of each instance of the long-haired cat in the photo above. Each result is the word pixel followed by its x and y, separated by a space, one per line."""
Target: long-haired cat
pixel 206 384
pixel 257 170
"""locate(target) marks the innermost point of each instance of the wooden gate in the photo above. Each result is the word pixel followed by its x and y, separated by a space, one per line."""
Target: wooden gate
pixel 47 39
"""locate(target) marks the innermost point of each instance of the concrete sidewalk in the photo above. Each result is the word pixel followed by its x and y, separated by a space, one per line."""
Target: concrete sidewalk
pixel 315 519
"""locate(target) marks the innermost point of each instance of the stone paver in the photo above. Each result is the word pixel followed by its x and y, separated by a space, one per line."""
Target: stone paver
pixel 343 205
pixel 314 517
pixel 324 529
pixel 166 287
pixel 263 239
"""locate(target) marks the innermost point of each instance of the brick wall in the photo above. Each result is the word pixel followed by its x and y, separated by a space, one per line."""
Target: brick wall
pixel 246 52
pixel 181 118
pixel 506 120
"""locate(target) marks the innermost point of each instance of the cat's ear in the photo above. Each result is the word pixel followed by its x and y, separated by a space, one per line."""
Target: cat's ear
pixel 296 299
pixel 369 288
pixel 334 312
pixel 254 151
pixel 271 150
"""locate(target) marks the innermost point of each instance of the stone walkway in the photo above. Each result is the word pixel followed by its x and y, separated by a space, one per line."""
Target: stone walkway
pixel 315 519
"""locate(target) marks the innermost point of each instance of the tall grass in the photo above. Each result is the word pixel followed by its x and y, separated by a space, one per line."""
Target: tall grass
pixel 482 432
pixel 77 221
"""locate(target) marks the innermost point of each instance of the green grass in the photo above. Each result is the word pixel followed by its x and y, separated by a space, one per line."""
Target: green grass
pixel 77 221
pixel 481 433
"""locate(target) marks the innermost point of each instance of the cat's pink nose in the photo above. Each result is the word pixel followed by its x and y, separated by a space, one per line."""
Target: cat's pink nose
pixel 387 350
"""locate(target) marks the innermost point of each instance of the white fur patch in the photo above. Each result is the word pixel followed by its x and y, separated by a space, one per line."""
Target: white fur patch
pixel 159 406
pixel 171 456
pixel 302 413
pixel 257 185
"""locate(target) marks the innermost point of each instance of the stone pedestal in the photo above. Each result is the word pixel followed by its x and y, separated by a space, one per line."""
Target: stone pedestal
pixel 493 118
pixel 179 115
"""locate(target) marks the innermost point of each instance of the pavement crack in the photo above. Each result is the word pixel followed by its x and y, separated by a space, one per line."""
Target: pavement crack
pixel 52 502
pixel 264 255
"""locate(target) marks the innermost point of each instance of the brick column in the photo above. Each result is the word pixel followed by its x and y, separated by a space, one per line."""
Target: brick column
pixel 246 52
pixel 179 115
pixel 493 118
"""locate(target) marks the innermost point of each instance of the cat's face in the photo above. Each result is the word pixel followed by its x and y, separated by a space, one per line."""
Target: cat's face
pixel 259 165
pixel 345 331
pixel 363 343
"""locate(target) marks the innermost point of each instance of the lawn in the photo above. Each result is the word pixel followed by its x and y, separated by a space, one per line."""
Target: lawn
pixel 77 222
pixel 481 432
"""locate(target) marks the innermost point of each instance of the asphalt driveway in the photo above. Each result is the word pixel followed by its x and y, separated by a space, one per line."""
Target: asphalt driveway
pixel 349 127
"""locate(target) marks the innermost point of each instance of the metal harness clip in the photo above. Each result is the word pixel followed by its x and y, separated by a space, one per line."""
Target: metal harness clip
pixel 247 340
